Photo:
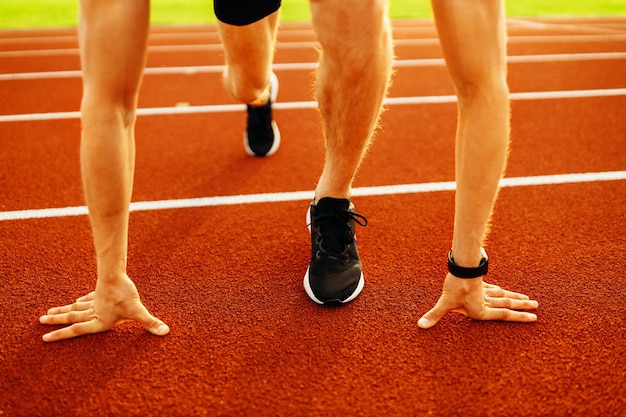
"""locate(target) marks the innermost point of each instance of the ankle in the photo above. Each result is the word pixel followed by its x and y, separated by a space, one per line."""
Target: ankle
pixel 338 193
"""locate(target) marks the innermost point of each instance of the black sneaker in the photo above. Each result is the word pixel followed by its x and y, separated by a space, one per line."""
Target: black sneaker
pixel 335 273
pixel 262 137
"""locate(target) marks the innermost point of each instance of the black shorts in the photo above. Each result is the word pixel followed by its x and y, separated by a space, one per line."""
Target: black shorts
pixel 244 12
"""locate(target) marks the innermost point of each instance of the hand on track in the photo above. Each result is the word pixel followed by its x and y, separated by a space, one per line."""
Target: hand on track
pixel 100 311
pixel 480 301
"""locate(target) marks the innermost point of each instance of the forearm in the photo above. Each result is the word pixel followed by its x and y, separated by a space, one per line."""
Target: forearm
pixel 113 42
pixel 107 164
pixel 481 151
pixel 473 40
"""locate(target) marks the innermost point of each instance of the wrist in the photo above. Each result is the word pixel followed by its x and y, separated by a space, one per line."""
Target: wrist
pixel 111 274
pixel 469 272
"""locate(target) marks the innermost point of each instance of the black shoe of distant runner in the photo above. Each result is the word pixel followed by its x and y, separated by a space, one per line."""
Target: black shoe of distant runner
pixel 335 274
pixel 262 137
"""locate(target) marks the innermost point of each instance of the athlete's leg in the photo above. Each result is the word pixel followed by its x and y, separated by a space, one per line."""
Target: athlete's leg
pixel 249 53
pixel 113 39
pixel 248 33
pixel 352 80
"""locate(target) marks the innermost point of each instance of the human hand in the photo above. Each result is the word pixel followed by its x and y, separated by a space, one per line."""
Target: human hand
pixel 480 301
pixel 100 311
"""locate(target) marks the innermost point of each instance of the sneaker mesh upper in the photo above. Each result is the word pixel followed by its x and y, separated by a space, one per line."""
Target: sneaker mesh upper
pixel 335 272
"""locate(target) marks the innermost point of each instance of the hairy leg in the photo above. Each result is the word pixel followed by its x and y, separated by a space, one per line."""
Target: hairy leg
pixel 352 80
pixel 249 53
pixel 113 41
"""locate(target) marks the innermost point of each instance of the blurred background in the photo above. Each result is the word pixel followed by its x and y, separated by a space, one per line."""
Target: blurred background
pixel 63 13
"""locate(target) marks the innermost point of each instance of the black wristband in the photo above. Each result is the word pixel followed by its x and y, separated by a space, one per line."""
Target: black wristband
pixel 463 272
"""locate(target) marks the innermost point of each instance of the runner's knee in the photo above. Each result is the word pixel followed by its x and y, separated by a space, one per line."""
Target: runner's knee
pixel 245 87
pixel 356 31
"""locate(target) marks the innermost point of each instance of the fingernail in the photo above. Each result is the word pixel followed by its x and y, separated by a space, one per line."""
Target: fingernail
pixel 533 317
pixel 162 330
pixel 534 304
pixel 46 337
pixel 423 322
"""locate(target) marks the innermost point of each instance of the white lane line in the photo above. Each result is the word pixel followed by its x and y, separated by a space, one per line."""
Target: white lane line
pixel 307 195
pixel 300 66
pixel 299 105
pixel 602 26
pixel 313 44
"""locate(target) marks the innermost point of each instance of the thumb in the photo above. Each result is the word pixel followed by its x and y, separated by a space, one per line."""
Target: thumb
pixel 431 318
pixel 159 328
pixel 152 324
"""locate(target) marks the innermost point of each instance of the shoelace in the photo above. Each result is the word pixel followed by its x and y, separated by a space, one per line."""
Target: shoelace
pixel 335 234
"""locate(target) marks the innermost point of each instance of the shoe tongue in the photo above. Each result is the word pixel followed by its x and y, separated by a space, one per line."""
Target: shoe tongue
pixel 333 242
pixel 329 204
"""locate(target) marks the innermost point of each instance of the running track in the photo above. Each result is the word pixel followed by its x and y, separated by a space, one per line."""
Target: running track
pixel 218 244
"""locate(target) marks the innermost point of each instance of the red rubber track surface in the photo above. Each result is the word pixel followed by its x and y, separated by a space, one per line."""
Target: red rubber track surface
pixel 245 339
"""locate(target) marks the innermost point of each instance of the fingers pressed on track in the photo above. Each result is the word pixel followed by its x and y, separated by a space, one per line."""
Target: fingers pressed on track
pixel 494 291
pixel 69 317
pixel 504 314
pixel 77 329
pixel 87 297
pixel 511 303
pixel 77 306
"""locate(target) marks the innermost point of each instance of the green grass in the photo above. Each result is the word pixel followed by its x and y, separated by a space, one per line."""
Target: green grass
pixel 59 13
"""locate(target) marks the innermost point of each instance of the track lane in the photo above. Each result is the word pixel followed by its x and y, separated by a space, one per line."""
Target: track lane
pixel 250 341
pixel 245 339
pixel 413 78
pixel 194 155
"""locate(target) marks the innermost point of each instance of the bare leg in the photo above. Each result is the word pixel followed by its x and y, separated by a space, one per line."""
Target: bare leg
pixel 113 40
pixel 249 52
pixel 473 38
pixel 352 79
